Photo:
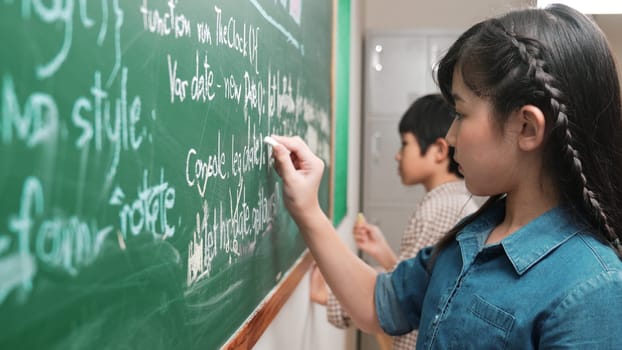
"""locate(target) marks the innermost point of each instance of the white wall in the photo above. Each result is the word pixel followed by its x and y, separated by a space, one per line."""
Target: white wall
pixel 612 27
pixel 302 325
pixel 385 15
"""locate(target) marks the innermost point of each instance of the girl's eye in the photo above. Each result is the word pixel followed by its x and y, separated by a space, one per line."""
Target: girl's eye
pixel 458 116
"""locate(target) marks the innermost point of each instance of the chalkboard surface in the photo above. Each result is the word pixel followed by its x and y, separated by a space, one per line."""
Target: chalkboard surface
pixel 139 206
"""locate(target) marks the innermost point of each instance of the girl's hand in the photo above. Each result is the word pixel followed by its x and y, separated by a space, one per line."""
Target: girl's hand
pixel 301 171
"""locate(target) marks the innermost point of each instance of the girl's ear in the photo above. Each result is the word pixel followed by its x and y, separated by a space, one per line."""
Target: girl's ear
pixel 532 125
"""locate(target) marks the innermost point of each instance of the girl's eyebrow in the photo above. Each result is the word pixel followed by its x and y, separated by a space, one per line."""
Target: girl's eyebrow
pixel 456 97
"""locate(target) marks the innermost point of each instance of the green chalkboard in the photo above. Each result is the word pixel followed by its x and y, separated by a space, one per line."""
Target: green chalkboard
pixel 139 208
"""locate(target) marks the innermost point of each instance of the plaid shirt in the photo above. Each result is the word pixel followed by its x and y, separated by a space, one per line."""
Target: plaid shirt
pixel 439 210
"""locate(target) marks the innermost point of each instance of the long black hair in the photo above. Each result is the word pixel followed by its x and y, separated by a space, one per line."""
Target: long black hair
pixel 558 60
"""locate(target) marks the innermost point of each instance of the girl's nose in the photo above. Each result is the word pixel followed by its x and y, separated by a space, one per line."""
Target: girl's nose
pixel 451 135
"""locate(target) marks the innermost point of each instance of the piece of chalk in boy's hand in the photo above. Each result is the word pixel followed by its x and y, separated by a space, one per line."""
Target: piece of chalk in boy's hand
pixel 360 219
pixel 269 140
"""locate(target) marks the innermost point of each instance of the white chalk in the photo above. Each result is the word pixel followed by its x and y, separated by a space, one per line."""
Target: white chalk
pixel 269 140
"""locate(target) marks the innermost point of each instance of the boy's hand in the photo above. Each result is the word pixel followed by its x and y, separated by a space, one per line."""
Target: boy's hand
pixel 319 289
pixel 369 239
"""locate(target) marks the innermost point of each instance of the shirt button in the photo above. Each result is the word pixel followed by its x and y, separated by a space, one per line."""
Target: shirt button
pixel 436 319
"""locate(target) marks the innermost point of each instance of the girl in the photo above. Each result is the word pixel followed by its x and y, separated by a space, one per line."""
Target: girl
pixel 424 159
pixel 538 128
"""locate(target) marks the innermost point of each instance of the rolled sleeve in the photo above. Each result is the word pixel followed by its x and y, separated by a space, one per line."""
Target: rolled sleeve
pixel 398 295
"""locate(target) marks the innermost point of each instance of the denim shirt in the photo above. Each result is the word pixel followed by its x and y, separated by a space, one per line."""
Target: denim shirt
pixel 548 285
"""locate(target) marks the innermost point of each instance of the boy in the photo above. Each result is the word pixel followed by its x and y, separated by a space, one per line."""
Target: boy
pixel 424 158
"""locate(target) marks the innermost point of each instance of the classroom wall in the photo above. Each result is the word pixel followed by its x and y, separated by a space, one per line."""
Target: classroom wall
pixel 612 27
pixel 301 324
pixel 450 14
pixel 381 15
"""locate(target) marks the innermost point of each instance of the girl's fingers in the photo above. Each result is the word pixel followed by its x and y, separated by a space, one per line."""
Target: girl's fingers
pixel 295 145
pixel 283 161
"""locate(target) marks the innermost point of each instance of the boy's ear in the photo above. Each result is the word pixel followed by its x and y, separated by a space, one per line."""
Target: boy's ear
pixel 441 149
pixel 532 125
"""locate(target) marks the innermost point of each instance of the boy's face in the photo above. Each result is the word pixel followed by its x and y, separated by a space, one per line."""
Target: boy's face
pixel 413 167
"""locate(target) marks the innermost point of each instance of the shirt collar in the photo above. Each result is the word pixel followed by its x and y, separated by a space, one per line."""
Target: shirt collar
pixel 449 187
pixel 532 242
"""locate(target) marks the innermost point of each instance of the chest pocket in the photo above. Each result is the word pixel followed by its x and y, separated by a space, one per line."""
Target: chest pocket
pixel 490 327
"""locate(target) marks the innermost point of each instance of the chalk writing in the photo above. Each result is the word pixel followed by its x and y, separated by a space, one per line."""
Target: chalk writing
pixel 103 119
pixel 148 212
pixel 254 93
pixel 59 11
pixel 290 38
pixel 167 23
pixel 203 169
pixel 204 34
pixel 201 84
pixel 244 41
pixel 280 94
pixel 68 243
pixel 87 22
pixel 233 90
pixel 18 269
pixel 177 85
pixel 65 243
pixel 60 14
pixel 35 123
pixel 117 43
pixel 202 81
pixel 317 127
pixel 231 232
pixel 251 156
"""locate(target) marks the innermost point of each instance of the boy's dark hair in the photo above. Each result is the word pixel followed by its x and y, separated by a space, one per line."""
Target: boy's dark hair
pixel 429 118
pixel 559 61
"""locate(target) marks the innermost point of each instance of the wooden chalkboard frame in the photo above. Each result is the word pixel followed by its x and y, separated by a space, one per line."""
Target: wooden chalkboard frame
pixel 248 335
pixel 250 332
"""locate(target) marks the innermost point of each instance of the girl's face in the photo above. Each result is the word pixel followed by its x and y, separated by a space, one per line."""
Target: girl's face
pixel 413 167
pixel 486 154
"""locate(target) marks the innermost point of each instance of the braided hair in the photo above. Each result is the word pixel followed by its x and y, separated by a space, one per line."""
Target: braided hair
pixel 559 61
